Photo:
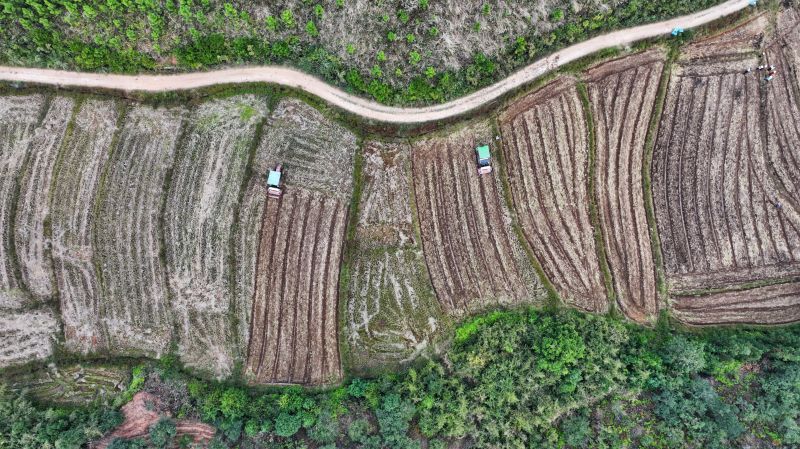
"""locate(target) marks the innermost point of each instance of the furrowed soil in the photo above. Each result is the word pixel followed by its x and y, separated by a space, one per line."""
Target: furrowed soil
pixel 75 186
pixel 31 239
pixel 198 225
pixel 471 251
pixel 782 109
pixel 775 304
pixel 718 206
pixel 134 310
pixel 294 326
pixel 546 152
pixel 392 314
pixel 622 94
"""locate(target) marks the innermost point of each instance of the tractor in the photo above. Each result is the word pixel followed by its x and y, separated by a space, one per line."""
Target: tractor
pixel 484 158
pixel 274 183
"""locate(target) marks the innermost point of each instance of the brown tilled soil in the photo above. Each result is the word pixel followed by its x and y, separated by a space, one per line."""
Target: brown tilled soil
pixel 622 95
pixel 715 197
pixel 776 304
pixel 144 411
pixel 730 44
pixel 293 333
pixel 547 156
pixel 783 107
pixel 472 254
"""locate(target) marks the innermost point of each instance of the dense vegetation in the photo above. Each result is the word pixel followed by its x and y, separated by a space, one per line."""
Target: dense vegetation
pixel 394 57
pixel 511 380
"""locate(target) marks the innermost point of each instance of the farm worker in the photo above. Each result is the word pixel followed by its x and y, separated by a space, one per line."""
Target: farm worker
pixel 779 206
pixel 761 67
pixel 769 77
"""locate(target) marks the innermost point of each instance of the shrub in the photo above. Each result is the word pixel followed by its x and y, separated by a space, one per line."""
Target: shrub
pixel 162 433
pixel 287 424
pixel 359 430
pixel 287 17
pixel 311 29
pixel 326 429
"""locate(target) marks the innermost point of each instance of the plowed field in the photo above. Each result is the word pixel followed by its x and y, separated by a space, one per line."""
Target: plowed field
pixel 472 253
pixel 783 109
pixel 715 202
pixel 392 313
pixel 622 94
pixel 546 151
pixel 777 304
pixel 293 333
pixel 293 326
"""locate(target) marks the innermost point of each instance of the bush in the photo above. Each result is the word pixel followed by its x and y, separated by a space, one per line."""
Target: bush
pixel 326 429
pixel 359 430
pixel 287 424
pixel 162 433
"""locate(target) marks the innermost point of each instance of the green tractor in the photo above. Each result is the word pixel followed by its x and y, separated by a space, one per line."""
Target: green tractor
pixel 484 158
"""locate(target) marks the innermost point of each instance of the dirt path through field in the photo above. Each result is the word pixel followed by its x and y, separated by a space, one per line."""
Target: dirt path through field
pixel 359 106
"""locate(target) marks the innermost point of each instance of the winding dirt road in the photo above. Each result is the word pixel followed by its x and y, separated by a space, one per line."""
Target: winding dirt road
pixel 359 106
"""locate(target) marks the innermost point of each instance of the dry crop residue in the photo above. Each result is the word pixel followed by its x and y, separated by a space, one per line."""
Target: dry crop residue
pixel 31 241
pixel 293 328
pixel 134 310
pixel 715 202
pixel 775 304
pixel 472 253
pixel 622 94
pixel 19 116
pixel 392 313
pixel 75 185
pixel 546 151
pixel 201 200
pixel 26 334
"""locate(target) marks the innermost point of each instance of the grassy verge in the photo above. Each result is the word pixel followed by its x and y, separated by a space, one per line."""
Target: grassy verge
pixel 348 256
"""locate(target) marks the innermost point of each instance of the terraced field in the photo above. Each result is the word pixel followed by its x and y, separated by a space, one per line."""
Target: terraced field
pixel 716 204
pixel 392 314
pixel 546 152
pixel 31 239
pixel 198 224
pixel 472 253
pixel 75 184
pixel 294 327
pixel 622 95
pixel 776 304
pixel 74 384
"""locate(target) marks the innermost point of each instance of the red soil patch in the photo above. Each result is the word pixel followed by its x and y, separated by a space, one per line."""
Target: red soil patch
pixel 144 411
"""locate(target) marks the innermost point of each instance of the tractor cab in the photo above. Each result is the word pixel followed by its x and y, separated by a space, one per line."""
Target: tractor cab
pixel 274 183
pixel 484 159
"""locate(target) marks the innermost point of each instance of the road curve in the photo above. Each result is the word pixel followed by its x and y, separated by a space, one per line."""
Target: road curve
pixel 359 106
